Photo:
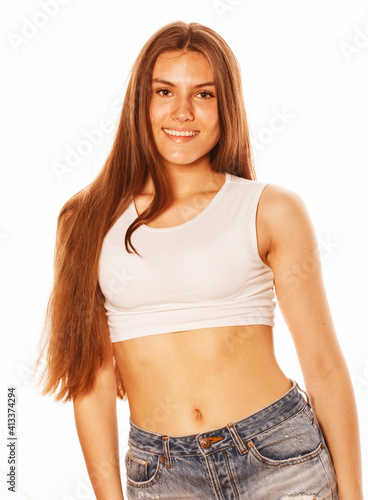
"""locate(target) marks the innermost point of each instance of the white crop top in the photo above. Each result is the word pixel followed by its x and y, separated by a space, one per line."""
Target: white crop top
pixel 204 273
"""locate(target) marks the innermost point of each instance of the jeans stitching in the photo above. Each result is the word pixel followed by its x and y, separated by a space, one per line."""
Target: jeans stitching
pixel 150 482
pixel 230 473
pixel 289 461
pixel 213 476
pixel 311 419
pixel 333 489
pixel 248 438
pixel 137 460
pixel 144 451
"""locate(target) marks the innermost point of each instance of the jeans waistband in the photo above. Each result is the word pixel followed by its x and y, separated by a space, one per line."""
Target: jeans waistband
pixel 208 442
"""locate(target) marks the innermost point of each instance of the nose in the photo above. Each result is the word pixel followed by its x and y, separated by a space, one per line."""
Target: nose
pixel 182 110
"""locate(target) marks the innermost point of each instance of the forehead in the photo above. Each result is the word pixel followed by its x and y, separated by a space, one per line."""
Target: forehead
pixel 181 63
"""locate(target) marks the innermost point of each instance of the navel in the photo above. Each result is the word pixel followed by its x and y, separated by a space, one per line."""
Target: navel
pixel 198 413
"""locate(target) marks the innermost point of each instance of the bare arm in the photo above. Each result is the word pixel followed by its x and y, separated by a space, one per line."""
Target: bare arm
pixel 97 428
pixel 295 261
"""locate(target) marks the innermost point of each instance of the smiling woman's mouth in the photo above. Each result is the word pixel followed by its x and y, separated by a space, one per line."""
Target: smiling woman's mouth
pixel 181 133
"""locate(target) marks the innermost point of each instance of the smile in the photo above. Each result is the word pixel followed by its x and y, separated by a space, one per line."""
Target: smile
pixel 181 133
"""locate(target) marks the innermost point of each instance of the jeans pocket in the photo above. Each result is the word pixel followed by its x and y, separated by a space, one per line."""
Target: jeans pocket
pixel 143 469
pixel 327 459
pixel 310 416
pixel 293 441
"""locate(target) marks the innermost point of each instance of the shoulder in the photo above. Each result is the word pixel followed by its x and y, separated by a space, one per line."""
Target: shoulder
pixel 272 197
pixel 276 201
pixel 282 214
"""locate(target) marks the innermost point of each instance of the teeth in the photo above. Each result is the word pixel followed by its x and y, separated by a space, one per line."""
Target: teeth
pixel 182 134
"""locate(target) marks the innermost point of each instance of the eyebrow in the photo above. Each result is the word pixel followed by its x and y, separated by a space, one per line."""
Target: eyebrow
pixel 165 82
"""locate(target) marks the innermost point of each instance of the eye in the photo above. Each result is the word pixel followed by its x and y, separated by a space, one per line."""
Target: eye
pixel 165 92
pixel 206 95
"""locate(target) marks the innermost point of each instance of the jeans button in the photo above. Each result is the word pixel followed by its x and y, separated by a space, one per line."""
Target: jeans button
pixel 206 443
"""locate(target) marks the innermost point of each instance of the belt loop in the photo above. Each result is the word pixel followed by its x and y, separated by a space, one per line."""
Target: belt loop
pixel 236 438
pixel 166 447
pixel 301 390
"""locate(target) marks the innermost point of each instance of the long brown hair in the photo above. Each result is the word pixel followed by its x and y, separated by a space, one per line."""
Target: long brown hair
pixel 75 324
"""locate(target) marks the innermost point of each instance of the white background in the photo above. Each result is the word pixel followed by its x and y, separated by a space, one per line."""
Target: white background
pixel 62 73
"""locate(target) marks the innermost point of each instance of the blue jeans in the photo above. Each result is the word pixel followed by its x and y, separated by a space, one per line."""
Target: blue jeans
pixel 277 453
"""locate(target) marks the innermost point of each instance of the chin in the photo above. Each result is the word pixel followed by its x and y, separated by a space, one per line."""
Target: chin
pixel 181 161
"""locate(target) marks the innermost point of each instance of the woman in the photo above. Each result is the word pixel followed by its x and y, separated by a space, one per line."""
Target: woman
pixel 165 271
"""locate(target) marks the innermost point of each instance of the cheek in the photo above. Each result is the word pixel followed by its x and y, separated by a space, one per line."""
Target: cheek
pixel 156 113
pixel 210 116
pixel 214 123
pixel 153 113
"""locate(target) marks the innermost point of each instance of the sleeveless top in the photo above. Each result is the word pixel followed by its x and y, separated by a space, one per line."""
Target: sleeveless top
pixel 204 273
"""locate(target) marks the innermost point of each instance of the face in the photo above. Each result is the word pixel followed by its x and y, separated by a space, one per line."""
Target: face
pixel 183 108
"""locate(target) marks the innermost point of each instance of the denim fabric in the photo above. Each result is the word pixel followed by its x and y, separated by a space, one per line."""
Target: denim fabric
pixel 277 453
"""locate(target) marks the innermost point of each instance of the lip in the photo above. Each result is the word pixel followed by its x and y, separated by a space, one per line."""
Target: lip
pixel 182 129
pixel 179 139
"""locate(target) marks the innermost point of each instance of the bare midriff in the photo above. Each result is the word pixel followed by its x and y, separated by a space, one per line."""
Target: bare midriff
pixel 193 381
